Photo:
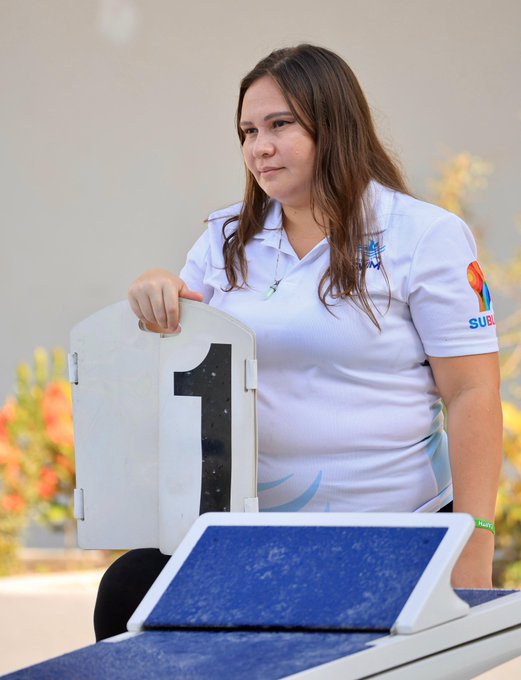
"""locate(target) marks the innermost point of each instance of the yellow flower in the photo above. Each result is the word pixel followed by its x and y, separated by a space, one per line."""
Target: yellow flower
pixel 511 418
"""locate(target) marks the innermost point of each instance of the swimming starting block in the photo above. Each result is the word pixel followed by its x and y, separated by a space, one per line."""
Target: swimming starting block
pixel 308 597
pixel 165 432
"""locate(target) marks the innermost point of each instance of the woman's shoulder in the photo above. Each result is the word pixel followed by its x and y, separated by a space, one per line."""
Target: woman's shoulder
pixel 226 220
pixel 212 237
pixel 406 220
pixel 419 214
pixel 219 217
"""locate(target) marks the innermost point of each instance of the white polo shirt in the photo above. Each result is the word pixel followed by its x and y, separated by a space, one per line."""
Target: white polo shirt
pixel 349 416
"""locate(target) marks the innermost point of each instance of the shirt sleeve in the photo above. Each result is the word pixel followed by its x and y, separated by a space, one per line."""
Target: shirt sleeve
pixel 195 267
pixel 449 299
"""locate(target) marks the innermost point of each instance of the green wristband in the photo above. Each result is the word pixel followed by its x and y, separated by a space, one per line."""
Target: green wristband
pixel 485 524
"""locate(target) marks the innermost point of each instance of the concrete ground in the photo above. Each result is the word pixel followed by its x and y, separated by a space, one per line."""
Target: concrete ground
pixel 44 616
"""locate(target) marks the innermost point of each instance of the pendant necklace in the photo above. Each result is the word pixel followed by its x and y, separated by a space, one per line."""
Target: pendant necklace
pixel 273 288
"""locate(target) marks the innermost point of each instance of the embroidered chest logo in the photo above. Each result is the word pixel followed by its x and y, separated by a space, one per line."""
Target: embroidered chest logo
pixel 479 285
pixel 372 255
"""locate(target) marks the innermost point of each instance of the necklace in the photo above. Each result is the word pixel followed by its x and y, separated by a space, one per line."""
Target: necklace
pixel 273 288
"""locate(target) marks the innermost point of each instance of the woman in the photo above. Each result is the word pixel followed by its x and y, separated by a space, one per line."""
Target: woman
pixel 369 308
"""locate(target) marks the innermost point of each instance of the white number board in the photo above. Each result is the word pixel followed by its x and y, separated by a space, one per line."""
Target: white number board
pixel 165 425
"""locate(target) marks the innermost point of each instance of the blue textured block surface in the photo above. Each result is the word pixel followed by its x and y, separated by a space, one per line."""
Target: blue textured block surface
pixel 477 597
pixel 186 655
pixel 297 577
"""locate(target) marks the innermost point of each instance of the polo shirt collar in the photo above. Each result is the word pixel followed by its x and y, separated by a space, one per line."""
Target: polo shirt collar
pixel 377 197
pixel 270 235
pixel 379 201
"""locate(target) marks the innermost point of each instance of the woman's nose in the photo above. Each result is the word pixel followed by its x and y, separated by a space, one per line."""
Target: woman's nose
pixel 263 145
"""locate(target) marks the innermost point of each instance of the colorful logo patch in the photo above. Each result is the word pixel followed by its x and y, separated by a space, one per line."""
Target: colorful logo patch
pixel 482 321
pixel 478 284
pixel 371 253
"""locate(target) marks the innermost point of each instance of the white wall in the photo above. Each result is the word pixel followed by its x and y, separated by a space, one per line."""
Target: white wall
pixel 117 136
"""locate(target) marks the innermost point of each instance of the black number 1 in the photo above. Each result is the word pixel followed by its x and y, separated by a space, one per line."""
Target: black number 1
pixel 211 381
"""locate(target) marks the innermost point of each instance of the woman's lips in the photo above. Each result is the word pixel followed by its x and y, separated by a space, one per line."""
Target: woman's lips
pixel 266 172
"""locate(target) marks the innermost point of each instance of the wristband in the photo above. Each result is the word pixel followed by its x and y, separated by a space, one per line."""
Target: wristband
pixel 485 524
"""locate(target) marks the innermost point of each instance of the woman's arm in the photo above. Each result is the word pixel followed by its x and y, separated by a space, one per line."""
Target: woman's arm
pixel 469 386
pixel 154 299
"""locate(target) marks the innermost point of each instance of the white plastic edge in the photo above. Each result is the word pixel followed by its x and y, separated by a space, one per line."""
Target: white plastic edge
pixel 433 600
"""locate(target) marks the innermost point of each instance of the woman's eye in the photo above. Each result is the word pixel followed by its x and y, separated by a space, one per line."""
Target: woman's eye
pixel 280 123
pixel 249 131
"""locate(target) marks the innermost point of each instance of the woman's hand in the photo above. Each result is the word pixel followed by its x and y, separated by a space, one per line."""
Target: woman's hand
pixel 474 566
pixel 154 299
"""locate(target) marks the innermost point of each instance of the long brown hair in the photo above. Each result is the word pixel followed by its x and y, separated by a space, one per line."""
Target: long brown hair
pixel 326 99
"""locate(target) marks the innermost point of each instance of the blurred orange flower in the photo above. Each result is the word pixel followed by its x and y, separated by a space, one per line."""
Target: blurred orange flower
pixel 8 453
pixel 7 415
pixel 48 484
pixel 37 446
pixel 57 413
pixel 66 463
pixel 13 503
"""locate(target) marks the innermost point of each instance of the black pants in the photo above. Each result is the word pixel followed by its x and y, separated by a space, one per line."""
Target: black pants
pixel 125 584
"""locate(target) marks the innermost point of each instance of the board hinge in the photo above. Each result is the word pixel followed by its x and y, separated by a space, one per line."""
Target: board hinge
pixel 73 367
pixel 251 504
pixel 79 508
pixel 251 374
